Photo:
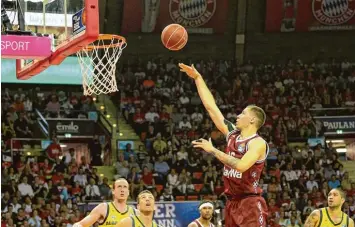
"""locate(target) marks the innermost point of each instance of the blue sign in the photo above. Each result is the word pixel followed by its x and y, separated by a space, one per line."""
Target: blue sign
pixel 171 214
pixel 176 214
pixel 121 144
pixel 337 124
pixel 312 142
pixel 79 24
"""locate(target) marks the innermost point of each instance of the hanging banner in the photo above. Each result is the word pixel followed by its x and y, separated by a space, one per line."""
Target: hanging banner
pixel 309 15
pixel 198 16
pixel 170 214
pixel 337 124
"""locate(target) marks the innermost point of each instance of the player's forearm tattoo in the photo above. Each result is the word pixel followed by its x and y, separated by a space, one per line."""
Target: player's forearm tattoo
pixel 226 159
pixel 311 220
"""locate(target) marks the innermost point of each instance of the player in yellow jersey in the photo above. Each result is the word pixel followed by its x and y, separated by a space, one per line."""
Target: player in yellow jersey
pixel 331 216
pixel 146 207
pixel 109 214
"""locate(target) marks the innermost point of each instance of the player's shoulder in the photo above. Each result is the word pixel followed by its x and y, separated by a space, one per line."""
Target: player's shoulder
pixel 192 224
pixel 102 207
pixel 126 222
pixel 316 214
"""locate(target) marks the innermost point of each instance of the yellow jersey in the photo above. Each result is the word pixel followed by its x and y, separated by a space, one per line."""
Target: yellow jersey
pixel 136 222
pixel 326 221
pixel 113 216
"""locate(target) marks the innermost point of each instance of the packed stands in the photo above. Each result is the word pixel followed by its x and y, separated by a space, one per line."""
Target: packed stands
pixel 163 107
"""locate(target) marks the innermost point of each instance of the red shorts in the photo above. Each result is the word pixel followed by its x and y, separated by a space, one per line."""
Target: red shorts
pixel 246 212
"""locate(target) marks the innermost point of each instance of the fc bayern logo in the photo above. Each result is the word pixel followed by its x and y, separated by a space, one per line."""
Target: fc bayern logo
pixel 333 12
pixel 192 13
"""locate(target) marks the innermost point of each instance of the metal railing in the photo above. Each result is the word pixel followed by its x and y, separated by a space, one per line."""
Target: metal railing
pixel 338 111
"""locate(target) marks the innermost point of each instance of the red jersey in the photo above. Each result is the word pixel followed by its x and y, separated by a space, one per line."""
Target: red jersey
pixel 242 184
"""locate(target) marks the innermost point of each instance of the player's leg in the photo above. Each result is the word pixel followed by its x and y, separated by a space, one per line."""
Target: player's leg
pixel 232 215
pixel 254 212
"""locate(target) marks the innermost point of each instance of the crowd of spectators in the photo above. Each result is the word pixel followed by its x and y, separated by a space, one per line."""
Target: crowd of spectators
pixel 163 107
pixel 43 190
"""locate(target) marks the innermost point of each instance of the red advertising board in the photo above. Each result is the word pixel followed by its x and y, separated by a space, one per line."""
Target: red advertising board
pixel 309 15
pixel 207 16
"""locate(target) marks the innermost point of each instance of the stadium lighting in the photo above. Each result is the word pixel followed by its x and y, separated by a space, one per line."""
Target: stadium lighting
pixel 335 141
pixel 341 150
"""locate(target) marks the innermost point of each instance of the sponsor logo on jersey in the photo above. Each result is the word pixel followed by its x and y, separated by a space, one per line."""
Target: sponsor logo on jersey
pixel 232 173
pixel 333 12
pixel 192 13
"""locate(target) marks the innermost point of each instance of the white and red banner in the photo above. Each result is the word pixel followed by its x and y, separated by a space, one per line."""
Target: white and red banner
pixel 154 15
pixel 310 15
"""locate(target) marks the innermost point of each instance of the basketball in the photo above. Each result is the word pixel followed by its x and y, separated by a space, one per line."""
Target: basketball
pixel 174 37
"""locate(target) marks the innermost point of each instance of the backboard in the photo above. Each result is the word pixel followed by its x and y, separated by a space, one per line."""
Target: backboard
pixel 60 25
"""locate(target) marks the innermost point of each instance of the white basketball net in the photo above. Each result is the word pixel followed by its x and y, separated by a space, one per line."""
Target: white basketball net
pixel 98 65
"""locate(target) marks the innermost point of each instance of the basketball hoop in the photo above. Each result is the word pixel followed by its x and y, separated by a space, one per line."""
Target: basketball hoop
pixel 98 64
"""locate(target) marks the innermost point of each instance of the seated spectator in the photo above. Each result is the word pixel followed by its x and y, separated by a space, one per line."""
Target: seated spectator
pixel 22 128
pixel 25 189
pixel 147 178
pixel 161 167
pixel 92 191
pixel 346 182
pixel 329 172
pixel 159 145
pixel 81 178
pixel 128 152
pixel 134 181
pixel 122 170
pixel 334 182
pixel 133 164
pixel 311 183
pixel 172 180
pixel 53 107
pixel 167 195
pixel 105 190
pixel 185 124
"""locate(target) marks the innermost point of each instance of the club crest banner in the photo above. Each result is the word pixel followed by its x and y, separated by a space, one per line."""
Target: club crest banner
pixel 309 15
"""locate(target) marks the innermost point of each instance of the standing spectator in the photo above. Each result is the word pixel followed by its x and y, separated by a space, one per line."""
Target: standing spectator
pixel 95 151
pixel 54 150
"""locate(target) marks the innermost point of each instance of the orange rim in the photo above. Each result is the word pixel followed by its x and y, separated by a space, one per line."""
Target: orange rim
pixel 92 46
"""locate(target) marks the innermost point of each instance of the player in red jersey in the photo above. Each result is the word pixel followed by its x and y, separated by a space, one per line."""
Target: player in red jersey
pixel 243 160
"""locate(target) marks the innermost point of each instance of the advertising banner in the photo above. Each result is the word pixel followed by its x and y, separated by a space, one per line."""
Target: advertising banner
pixel 171 214
pixel 26 47
pixel 68 73
pixel 337 124
pixel 198 16
pixel 75 127
pixel 309 15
